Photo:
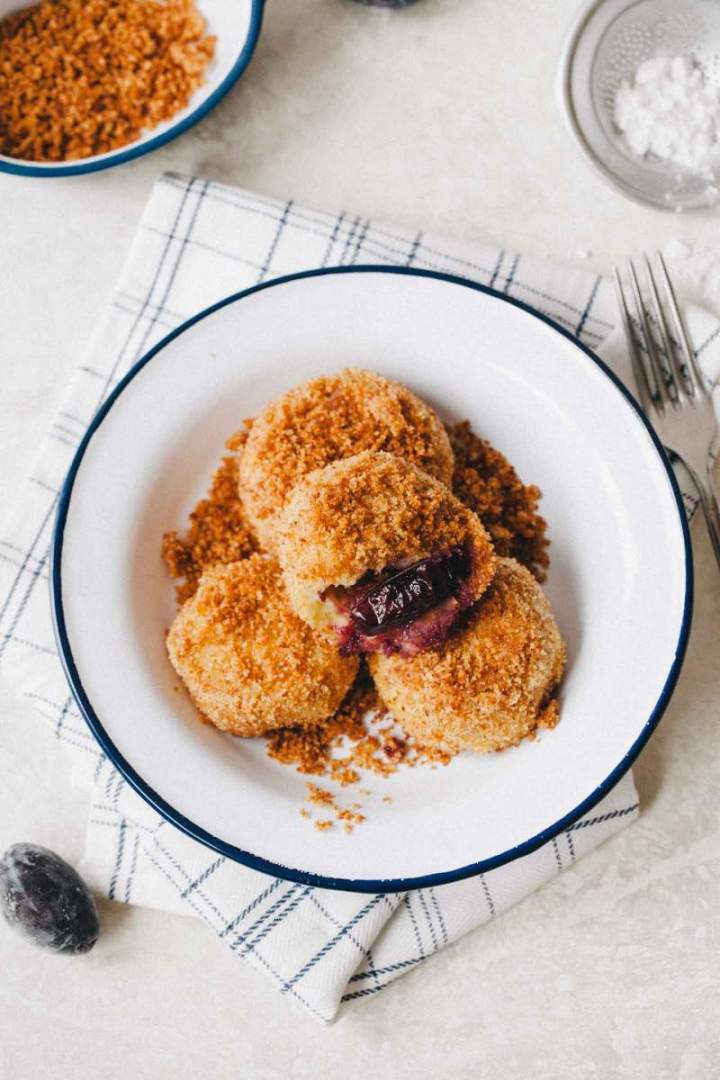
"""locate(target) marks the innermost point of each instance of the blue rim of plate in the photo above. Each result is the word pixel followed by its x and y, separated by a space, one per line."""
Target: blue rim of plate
pixel 247 858
pixel 135 150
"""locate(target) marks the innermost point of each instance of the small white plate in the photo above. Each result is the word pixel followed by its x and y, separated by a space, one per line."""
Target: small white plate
pixel 620 583
pixel 236 28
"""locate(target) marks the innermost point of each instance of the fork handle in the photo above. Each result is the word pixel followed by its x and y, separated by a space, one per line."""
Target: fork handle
pixel 710 509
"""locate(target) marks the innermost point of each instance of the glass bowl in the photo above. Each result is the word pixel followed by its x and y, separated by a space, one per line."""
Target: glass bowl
pixel 604 47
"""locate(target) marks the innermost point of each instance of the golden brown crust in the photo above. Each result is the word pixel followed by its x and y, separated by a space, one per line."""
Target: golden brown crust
pixel 369 512
pixel 485 481
pixel 488 686
pixel 249 664
pixel 218 531
pixel 83 77
pixel 326 420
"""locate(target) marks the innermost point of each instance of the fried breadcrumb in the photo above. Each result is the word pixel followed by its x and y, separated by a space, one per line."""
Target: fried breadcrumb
pixel 485 481
pixel 327 420
pixel 488 687
pixel 218 531
pixel 249 663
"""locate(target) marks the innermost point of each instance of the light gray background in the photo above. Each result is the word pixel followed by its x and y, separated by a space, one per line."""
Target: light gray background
pixel 442 116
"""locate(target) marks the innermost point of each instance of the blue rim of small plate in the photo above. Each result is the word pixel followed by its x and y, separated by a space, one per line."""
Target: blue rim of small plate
pixel 256 862
pixel 135 150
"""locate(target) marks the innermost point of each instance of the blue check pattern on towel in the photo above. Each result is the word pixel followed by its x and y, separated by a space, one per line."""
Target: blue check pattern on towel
pixel 198 242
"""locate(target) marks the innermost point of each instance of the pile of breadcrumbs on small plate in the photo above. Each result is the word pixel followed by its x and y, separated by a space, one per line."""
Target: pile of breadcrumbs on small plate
pixel 82 77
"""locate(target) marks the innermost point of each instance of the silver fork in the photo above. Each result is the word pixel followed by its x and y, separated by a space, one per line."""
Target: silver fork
pixel 670 384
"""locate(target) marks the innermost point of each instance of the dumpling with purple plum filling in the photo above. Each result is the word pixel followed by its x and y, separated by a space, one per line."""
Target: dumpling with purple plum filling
pixel 381 556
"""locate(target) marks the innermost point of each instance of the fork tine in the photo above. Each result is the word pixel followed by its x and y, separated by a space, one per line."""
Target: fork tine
pixel 693 374
pixel 660 397
pixel 677 377
pixel 641 380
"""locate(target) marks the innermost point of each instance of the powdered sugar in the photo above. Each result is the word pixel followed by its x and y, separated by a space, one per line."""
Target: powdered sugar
pixel 696 270
pixel 671 112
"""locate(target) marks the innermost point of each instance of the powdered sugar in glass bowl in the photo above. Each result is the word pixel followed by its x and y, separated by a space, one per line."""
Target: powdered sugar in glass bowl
pixel 623 60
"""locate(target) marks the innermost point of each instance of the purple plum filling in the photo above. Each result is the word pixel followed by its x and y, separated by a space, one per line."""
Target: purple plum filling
pixel 404 609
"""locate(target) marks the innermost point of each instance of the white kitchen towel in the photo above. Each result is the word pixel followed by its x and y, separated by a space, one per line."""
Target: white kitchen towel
pixel 198 242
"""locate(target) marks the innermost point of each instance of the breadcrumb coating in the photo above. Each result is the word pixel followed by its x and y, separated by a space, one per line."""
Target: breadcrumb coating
pixel 218 531
pixel 489 686
pixel 367 513
pixel 249 663
pixel 485 481
pixel 326 420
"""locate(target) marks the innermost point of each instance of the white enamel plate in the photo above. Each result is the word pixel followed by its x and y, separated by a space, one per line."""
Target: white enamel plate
pixel 620 582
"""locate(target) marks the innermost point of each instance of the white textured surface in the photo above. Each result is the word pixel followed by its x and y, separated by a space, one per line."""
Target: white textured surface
pixel 424 117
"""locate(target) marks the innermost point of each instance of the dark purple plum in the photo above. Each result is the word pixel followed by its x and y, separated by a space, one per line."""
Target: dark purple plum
pixel 404 609
pixel 43 898
pixel 409 592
